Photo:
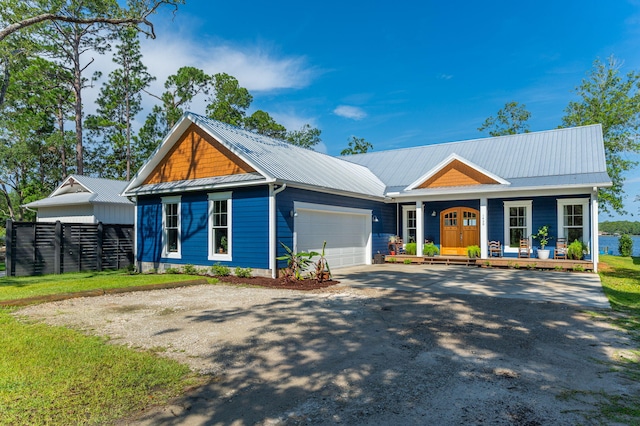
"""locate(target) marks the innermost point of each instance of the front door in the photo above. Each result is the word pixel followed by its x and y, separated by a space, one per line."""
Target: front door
pixel 458 229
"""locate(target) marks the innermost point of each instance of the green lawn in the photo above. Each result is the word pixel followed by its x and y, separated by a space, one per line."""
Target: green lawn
pixel 621 283
pixel 22 287
pixel 56 376
pixel 2 267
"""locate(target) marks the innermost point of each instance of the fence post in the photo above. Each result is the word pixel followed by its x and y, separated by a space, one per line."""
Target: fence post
pixel 57 248
pixel 100 230
pixel 9 253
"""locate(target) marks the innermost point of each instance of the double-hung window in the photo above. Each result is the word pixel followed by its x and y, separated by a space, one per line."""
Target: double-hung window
pixel 573 219
pixel 409 224
pixel 171 246
pixel 517 223
pixel 220 226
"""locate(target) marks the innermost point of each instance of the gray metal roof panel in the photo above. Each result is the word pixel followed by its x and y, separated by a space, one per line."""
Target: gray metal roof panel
pixel 560 152
pixel 105 190
pixel 196 183
pixel 69 199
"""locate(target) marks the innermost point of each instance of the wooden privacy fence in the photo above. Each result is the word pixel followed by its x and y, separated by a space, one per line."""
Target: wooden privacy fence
pixel 37 248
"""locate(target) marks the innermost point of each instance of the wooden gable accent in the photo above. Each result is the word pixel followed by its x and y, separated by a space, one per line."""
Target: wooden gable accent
pixel 197 155
pixel 457 173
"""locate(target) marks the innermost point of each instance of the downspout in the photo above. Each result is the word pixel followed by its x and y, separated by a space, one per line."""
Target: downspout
pixel 272 227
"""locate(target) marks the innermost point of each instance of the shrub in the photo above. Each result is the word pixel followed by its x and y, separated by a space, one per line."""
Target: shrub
pixel 407 261
pixel 430 249
pixel 578 268
pixel 473 251
pixel 391 259
pixel 625 245
pixel 411 248
pixel 219 270
pixel 243 272
pixel 189 269
pixel 172 271
pixel 575 250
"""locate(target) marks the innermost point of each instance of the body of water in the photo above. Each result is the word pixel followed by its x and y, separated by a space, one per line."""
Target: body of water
pixel 610 242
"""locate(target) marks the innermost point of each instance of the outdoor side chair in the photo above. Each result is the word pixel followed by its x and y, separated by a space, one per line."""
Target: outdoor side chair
pixel 560 252
pixel 495 249
pixel 525 248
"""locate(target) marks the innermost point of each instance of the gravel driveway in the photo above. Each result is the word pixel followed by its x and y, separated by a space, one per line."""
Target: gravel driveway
pixel 362 356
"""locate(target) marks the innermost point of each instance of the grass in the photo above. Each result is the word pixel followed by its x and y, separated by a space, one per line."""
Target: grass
pixel 620 278
pixel 22 287
pixel 2 266
pixel 57 376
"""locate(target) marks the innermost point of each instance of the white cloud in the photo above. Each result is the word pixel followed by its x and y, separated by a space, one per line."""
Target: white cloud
pixel 346 111
pixel 445 77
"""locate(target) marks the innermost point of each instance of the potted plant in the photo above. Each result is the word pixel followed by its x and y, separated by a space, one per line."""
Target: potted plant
pixel 576 250
pixel 392 244
pixel 543 236
pixel 223 245
pixel 473 251
pixel 430 250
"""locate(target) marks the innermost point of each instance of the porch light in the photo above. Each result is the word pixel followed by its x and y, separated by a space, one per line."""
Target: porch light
pixel 293 213
pixel 434 214
pixel 374 218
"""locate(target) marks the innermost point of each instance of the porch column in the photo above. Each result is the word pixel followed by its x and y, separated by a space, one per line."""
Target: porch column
pixel 484 239
pixel 595 244
pixel 419 228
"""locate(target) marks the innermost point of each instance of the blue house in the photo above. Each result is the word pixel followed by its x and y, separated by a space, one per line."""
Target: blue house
pixel 213 193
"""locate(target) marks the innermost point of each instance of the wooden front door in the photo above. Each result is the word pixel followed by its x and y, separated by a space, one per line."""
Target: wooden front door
pixel 458 229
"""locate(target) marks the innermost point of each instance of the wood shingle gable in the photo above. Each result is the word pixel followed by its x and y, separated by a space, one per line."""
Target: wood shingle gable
pixel 456 171
pixel 197 155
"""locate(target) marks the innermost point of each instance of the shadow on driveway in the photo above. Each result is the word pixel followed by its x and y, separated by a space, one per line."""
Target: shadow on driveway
pixel 581 289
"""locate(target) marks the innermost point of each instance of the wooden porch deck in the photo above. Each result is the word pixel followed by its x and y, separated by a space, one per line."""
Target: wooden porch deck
pixel 501 262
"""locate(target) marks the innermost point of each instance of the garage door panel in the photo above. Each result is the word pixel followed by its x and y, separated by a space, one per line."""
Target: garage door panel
pixel 346 236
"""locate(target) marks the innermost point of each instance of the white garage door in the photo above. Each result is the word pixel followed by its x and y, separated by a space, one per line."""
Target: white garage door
pixel 347 234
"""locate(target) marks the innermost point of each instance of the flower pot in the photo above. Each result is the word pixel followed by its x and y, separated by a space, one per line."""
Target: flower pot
pixel 543 254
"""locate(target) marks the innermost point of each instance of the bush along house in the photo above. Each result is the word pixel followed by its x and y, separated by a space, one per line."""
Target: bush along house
pixel 213 193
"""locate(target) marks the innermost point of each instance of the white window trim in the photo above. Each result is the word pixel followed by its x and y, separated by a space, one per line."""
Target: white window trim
pixel 584 202
pixel 213 255
pixel 507 205
pixel 165 253
pixel 405 219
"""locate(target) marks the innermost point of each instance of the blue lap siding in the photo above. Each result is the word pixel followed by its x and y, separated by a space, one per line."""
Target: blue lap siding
pixel 250 229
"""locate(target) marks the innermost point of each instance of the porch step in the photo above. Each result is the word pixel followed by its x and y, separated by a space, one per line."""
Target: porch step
pixel 505 262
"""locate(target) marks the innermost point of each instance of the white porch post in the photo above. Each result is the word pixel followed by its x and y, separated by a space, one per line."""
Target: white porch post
pixel 484 239
pixel 419 228
pixel 595 244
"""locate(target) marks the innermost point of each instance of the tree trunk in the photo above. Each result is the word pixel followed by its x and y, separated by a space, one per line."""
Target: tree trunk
pixel 77 88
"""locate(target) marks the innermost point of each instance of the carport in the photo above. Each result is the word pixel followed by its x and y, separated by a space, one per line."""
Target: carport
pixel 579 289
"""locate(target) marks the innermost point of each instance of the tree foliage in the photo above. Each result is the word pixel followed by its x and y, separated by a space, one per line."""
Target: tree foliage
pixel 118 104
pixel 612 100
pixel 510 120
pixel 620 227
pixel 357 146
pixel 306 137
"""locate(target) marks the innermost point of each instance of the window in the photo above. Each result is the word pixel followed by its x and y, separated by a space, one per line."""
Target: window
pixel 517 223
pixel 171 227
pixel 220 226
pixel 409 222
pixel 573 219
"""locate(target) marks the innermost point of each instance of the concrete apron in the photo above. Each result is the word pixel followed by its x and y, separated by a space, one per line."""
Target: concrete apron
pixel 581 289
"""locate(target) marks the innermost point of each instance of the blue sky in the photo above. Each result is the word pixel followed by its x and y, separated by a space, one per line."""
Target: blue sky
pixel 400 73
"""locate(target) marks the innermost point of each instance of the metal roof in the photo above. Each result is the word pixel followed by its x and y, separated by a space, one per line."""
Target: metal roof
pixel 195 184
pixel 275 160
pixel 77 189
pixel 559 157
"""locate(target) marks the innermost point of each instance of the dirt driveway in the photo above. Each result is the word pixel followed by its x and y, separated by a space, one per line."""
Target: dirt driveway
pixel 362 356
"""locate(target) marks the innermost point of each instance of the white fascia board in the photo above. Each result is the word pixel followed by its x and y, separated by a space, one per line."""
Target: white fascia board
pixel 205 187
pixel 449 160
pixel 497 193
